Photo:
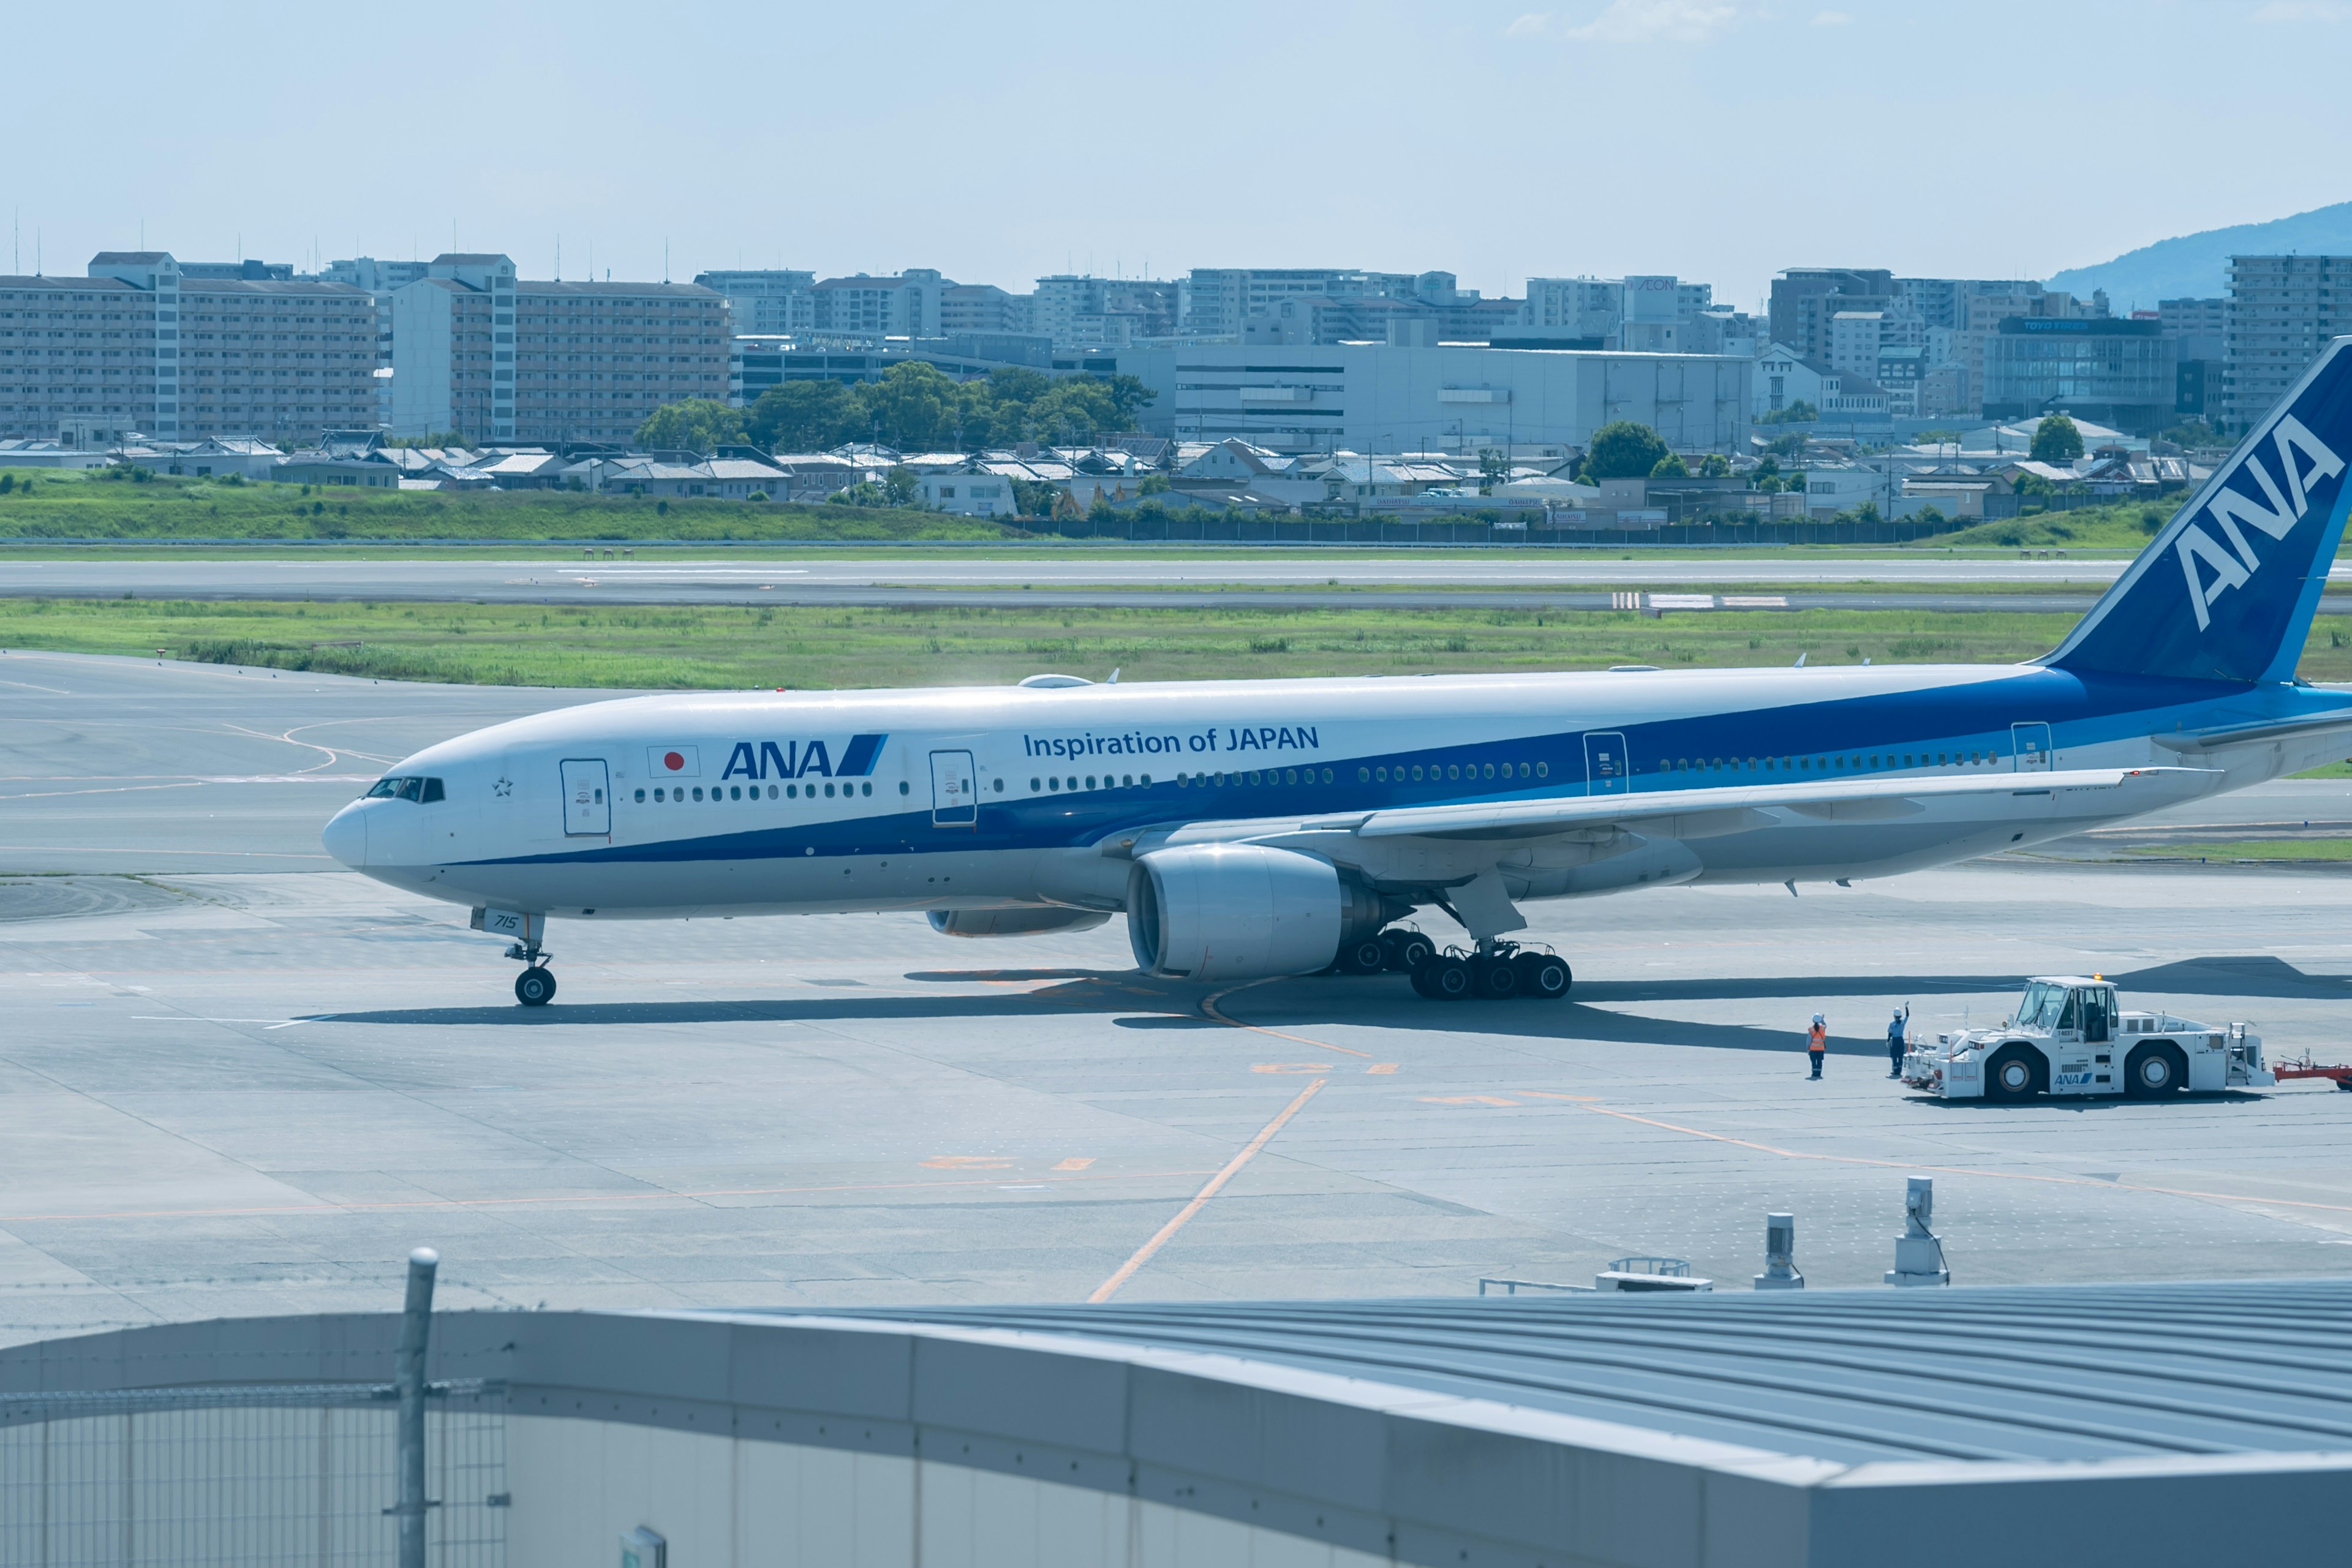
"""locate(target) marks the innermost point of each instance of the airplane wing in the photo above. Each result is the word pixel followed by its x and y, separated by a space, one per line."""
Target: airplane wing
pixel 1705 813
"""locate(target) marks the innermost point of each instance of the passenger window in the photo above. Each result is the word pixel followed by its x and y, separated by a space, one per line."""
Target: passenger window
pixel 641 797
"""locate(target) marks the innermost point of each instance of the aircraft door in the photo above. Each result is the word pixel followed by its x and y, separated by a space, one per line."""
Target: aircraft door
pixel 1607 769
pixel 955 790
pixel 587 797
pixel 2032 744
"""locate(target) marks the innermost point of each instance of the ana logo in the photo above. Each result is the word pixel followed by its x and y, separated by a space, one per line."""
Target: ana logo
pixel 677 762
pixel 2296 448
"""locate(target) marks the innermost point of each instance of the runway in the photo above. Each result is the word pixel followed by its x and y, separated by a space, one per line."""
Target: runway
pixel 1405 582
pixel 235 1085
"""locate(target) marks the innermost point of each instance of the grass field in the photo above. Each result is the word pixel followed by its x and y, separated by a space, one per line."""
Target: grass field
pixel 814 646
pixel 2258 849
pixel 50 504
pixel 54 504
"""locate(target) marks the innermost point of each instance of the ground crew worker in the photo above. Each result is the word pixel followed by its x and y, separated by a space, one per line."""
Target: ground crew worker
pixel 1895 1044
pixel 1817 1042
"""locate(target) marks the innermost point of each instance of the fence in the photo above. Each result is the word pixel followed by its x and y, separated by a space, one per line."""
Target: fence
pixel 254 1475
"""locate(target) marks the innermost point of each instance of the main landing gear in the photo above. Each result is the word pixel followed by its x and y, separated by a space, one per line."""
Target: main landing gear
pixel 1494 971
pixel 535 986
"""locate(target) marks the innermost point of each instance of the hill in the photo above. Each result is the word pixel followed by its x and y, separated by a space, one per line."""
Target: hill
pixel 2197 266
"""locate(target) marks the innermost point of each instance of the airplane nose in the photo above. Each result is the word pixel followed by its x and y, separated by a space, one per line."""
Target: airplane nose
pixel 346 836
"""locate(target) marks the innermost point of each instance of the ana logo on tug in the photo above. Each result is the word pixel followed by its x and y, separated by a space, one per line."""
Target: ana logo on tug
pixel 2229 507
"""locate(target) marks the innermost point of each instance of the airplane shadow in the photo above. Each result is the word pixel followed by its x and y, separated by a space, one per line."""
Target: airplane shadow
pixel 1131 1001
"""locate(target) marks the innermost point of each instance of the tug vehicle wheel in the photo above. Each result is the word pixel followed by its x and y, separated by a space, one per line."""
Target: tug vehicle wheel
pixel 2155 1070
pixel 2011 1075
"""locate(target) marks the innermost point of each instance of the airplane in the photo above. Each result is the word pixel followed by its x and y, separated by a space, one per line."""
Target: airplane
pixel 1257 828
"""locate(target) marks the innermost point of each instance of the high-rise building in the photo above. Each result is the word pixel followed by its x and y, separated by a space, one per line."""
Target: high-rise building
pixel 765 304
pixel 1085 311
pixel 1806 299
pixel 1214 301
pixel 494 358
pixel 2282 311
pixel 380 279
pixel 968 310
pixel 149 346
pixel 903 305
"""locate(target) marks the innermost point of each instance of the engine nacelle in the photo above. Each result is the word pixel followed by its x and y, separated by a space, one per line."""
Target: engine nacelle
pixel 1035 920
pixel 1241 911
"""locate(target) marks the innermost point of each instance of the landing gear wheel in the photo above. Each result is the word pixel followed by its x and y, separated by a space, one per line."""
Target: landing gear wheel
pixel 1367 955
pixel 1543 976
pixel 1407 949
pixel 535 987
pixel 2155 1071
pixel 1443 978
pixel 1494 979
pixel 2010 1076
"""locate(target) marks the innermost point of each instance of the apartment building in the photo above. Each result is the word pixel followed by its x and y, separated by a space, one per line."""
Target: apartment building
pixel 1806 301
pixel 903 305
pixel 765 304
pixel 982 310
pixel 1214 301
pixel 382 280
pixel 2282 311
pixel 148 346
pixel 496 358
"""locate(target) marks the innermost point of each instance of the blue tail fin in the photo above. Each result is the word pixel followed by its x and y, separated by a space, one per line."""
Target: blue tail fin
pixel 2227 590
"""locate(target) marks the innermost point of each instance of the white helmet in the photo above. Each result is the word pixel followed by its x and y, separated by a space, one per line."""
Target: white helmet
pixel 1819 1019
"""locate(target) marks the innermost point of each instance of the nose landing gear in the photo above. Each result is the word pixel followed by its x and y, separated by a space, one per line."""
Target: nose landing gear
pixel 535 986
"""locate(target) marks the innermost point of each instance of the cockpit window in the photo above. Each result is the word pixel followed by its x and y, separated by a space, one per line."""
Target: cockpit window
pixel 413 786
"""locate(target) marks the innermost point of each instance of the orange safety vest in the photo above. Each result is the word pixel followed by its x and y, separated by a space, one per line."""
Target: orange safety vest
pixel 1817 1038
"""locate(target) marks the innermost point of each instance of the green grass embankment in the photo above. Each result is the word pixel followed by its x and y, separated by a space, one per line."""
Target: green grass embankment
pixel 52 504
pixel 817 646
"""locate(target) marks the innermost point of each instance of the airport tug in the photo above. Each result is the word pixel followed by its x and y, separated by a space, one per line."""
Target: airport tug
pixel 2068 1037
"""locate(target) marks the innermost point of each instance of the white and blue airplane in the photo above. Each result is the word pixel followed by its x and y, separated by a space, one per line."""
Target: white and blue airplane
pixel 1255 828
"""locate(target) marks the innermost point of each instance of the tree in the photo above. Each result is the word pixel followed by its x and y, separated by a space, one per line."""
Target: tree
pixel 1622 450
pixel 913 408
pixel 1716 467
pixel 899 484
pixel 1670 467
pixel 1494 469
pixel 690 425
pixel 1799 411
pixel 2056 440
pixel 806 417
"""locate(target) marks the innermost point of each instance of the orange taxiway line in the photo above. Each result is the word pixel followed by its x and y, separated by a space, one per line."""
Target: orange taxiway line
pixel 1104 1291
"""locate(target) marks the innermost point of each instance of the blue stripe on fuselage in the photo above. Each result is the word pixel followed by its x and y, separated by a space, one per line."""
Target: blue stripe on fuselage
pixel 2087 707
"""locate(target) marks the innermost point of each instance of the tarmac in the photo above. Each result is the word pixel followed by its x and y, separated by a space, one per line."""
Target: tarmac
pixel 240 1082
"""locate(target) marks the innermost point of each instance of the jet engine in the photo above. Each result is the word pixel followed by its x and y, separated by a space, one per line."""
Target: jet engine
pixel 1033 921
pixel 1242 911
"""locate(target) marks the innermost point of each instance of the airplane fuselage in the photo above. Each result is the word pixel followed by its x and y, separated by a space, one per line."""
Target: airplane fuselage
pixel 963 799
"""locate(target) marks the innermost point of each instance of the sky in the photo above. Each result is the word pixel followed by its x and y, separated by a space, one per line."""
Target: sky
pixel 1719 142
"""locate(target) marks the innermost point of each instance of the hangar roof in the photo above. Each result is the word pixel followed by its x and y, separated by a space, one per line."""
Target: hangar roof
pixel 2023 1372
